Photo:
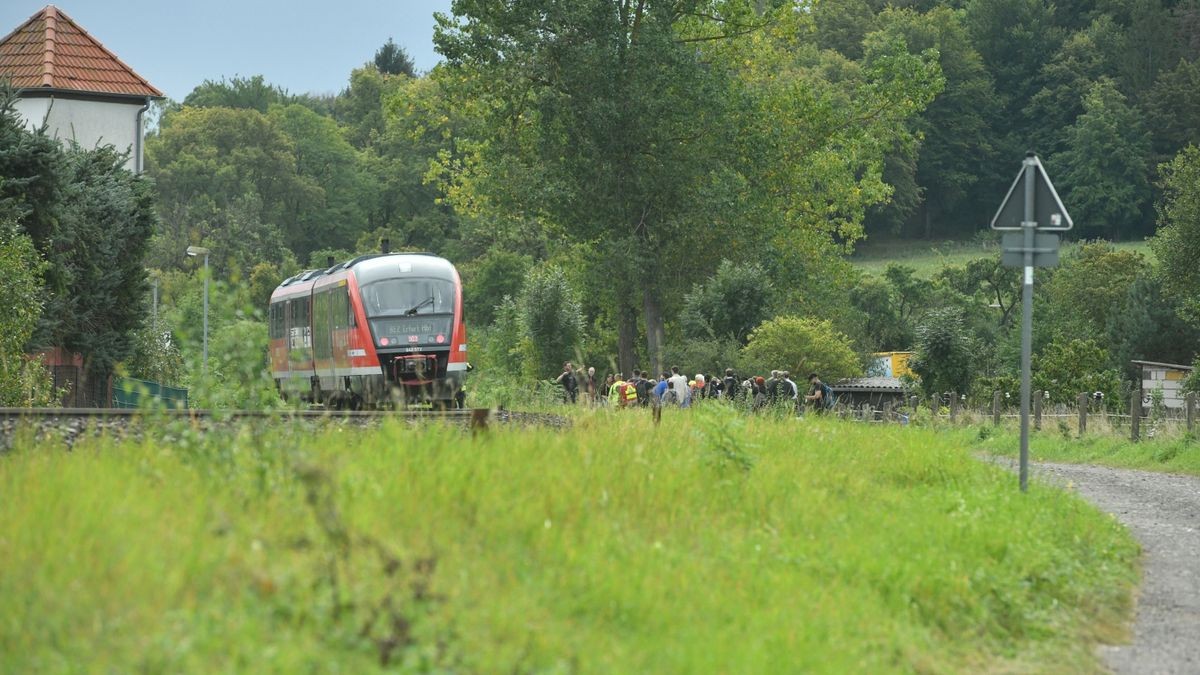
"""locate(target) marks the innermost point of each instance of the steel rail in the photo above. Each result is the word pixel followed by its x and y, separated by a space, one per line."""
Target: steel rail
pixel 190 413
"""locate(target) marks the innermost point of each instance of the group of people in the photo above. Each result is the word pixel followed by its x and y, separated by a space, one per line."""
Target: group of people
pixel 674 388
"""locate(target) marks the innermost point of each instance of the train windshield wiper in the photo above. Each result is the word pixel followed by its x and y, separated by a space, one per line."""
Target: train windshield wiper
pixel 411 311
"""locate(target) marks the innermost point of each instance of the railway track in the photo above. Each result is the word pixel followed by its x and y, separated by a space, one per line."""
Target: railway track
pixel 68 424
pixel 191 413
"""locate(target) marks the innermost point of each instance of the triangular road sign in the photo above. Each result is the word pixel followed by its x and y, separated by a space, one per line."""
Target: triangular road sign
pixel 1048 210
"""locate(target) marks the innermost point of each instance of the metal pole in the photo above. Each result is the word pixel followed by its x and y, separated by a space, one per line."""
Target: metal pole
pixel 206 313
pixel 1027 227
pixel 154 312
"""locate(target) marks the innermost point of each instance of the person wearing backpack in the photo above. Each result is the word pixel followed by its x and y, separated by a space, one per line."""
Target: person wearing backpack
pixel 660 390
pixel 678 386
pixel 644 386
pixel 820 395
pixel 731 388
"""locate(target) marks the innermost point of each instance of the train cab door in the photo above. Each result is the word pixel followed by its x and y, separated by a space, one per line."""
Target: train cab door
pixel 340 312
pixel 323 331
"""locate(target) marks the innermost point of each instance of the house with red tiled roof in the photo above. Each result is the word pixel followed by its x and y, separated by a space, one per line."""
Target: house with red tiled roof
pixel 80 89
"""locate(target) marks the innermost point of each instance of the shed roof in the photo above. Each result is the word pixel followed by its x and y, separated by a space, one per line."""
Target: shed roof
pixel 869 384
pixel 1172 366
pixel 52 52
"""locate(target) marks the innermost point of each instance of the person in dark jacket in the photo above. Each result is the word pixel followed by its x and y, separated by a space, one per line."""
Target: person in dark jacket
pixel 567 380
pixel 730 385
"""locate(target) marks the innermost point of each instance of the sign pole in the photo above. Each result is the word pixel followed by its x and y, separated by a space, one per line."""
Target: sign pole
pixel 1028 227
pixel 1035 217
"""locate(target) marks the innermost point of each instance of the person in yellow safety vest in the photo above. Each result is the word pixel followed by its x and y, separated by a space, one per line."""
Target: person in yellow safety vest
pixel 629 394
pixel 614 392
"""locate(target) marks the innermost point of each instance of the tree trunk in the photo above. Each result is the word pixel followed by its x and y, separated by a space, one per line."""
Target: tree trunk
pixel 626 338
pixel 655 331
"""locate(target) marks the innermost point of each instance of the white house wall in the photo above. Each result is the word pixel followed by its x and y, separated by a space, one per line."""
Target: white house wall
pixel 33 110
pixel 88 123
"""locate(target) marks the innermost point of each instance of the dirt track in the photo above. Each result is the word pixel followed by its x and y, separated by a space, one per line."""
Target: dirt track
pixel 1163 512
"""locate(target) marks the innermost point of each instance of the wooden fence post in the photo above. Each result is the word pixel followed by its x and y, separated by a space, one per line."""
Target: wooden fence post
pixel 935 406
pixel 479 420
pixel 913 401
pixel 1037 410
pixel 1190 400
pixel 996 398
pixel 953 407
pixel 1082 402
pixel 1135 414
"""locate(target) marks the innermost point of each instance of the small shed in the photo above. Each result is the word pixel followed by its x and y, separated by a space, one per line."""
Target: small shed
pixel 1168 377
pixel 877 391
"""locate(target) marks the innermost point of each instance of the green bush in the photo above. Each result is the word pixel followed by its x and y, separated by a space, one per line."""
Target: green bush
pixel 801 345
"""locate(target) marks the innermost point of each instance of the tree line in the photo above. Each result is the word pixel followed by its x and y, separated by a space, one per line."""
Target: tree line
pixel 647 183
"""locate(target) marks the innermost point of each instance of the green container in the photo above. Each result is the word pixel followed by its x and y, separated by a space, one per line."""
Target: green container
pixel 130 392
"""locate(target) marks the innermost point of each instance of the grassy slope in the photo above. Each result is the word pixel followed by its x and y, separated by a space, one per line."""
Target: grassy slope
pixel 930 256
pixel 616 546
pixel 1175 453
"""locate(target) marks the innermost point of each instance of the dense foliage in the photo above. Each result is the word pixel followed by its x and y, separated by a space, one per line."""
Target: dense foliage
pixel 89 221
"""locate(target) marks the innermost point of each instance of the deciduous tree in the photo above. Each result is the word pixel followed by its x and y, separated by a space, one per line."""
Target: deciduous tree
pixel 1103 172
pixel 1177 244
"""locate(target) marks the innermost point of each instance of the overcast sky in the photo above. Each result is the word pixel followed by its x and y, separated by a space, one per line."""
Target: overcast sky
pixel 301 45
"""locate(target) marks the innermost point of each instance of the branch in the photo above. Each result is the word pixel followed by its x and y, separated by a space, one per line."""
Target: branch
pixel 712 38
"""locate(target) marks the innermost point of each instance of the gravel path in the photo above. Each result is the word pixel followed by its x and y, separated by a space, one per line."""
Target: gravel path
pixel 1163 511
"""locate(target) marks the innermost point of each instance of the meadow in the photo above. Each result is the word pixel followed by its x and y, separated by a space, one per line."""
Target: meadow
pixel 930 256
pixel 709 543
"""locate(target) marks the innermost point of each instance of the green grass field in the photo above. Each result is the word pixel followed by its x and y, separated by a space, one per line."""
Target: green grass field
pixel 711 543
pixel 927 257
pixel 1173 453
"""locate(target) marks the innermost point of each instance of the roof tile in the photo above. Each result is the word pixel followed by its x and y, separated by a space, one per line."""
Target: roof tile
pixel 51 50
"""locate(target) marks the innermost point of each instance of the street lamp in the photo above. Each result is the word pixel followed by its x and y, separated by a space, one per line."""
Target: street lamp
pixel 194 251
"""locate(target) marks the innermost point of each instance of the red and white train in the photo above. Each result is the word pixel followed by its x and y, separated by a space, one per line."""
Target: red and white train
pixel 382 328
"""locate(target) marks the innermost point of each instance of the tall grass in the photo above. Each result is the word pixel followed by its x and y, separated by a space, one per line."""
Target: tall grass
pixel 711 543
pixel 1171 449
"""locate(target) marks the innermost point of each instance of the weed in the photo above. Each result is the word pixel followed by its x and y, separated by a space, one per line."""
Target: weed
pixel 723 433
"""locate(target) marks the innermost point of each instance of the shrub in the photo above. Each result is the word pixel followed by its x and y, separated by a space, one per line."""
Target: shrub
pixel 1066 368
pixel 801 345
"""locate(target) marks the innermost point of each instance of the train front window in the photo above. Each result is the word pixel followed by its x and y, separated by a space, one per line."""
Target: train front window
pixel 408 297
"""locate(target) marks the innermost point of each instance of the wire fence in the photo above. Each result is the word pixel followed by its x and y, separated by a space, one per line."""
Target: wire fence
pixel 1087 416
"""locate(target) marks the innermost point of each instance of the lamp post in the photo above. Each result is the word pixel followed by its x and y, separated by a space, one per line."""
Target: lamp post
pixel 194 251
